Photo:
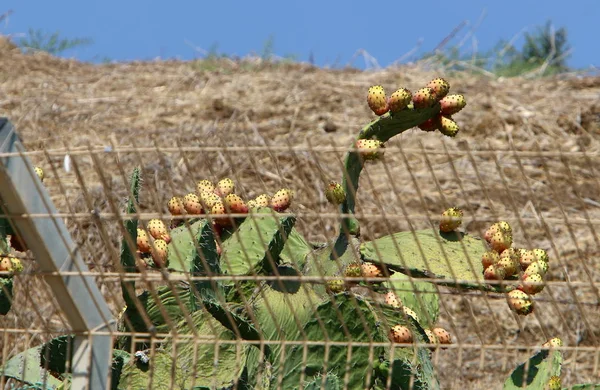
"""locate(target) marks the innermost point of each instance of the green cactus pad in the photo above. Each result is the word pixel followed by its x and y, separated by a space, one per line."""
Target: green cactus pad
pixel 426 304
pixel 195 365
pixel 183 250
pixel 206 262
pixel 295 250
pixel 452 256
pixel 25 367
pixel 536 372
pixel 6 288
pixel 56 352
pixel 257 244
pixel 328 382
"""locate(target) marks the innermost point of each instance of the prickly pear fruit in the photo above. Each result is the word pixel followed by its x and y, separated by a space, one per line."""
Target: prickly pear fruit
pixel 410 313
pixel 399 100
pixel 442 335
pixel 448 127
pixel 554 342
pixel 282 199
pixel 353 270
pixel 191 204
pixel 431 124
pixel 262 200
pixel 401 334
pixel 376 100
pixel 440 87
pixel 176 206
pixel 220 215
pixel 520 302
pixel 208 200
pixel 392 300
pixel 39 172
pixel 540 255
pixel 452 104
pixel 532 284
pixel 157 228
pixel 489 258
pixel 235 204
pixel 431 337
pixel 17 266
pixel 224 187
pixel 509 260
pixel 5 264
pixel 451 219
pixel 527 258
pixel 205 186
pixel 494 272
pixel 252 204
pixel 335 193
pixel 423 98
pixel 143 242
pixel 370 270
pixel 501 242
pixel 537 267
pixel 554 383
pixel 160 252
pixel 370 149
pixel 335 286
pixel 498 227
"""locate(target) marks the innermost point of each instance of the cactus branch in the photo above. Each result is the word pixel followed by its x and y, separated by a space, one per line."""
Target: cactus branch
pixel 382 129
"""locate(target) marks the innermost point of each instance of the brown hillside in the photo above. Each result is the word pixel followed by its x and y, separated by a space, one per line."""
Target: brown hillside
pixel 528 152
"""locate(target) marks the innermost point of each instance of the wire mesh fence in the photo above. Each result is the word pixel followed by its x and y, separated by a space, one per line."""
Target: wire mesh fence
pixel 312 295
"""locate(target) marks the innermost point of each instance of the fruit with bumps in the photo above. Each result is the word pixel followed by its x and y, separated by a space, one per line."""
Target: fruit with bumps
pixel 532 284
pixel 527 258
pixel 176 206
pixel 335 193
pixel 537 267
pixel 554 342
pixel 143 242
pixel 191 204
pixel 370 149
pixel 540 255
pixel 431 337
pixel 554 383
pixel 431 124
pixel 423 98
pixel 5 264
pixel 399 100
pixel 498 227
pixel 439 86
pixel 262 200
pixel 17 266
pixel 370 270
pixel 505 227
pixel 520 302
pixel 401 334
pixel 353 270
pixel 224 187
pixel 494 272
pixel 282 199
pixel 235 204
pixel 509 260
pixel 377 101
pixel 452 104
pixel 448 127
pixel 489 258
pixel 158 229
pixel 160 252
pixel 252 204
pixel 451 219
pixel 392 299
pixel 208 200
pixel 442 335
pixel 39 172
pixel 220 215
pixel 205 186
pixel 501 242
pixel 335 286
pixel 410 313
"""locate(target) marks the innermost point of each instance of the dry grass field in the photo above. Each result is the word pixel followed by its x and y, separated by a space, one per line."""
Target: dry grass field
pixel 528 152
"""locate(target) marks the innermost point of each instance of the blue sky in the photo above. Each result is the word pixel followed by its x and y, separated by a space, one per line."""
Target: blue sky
pixel 332 30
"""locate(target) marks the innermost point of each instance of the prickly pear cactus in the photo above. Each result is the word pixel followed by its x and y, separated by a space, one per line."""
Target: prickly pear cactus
pixel 536 372
pixel 418 295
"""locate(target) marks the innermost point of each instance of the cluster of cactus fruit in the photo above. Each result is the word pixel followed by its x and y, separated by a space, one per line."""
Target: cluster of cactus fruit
pixel 368 283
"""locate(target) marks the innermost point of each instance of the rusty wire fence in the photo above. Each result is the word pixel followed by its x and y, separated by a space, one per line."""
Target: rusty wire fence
pixel 300 297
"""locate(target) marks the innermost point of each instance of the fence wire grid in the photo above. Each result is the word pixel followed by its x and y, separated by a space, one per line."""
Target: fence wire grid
pixel 277 310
